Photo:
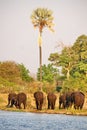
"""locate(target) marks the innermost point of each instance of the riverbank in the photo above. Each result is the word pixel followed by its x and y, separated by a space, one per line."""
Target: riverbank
pixel 32 108
pixel 82 112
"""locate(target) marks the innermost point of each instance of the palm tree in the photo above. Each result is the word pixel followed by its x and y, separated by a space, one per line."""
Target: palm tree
pixel 41 18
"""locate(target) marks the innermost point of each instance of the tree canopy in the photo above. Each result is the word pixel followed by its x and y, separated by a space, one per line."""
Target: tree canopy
pixel 73 60
pixel 49 73
pixel 42 17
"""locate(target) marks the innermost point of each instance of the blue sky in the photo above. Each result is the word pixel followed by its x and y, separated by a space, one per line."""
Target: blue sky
pixel 18 38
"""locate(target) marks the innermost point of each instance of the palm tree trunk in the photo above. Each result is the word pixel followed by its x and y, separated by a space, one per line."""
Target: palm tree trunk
pixel 40 53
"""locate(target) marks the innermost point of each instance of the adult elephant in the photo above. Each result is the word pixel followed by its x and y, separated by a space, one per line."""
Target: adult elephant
pixel 11 99
pixel 62 101
pixel 21 99
pixel 51 97
pixel 65 100
pixel 68 100
pixel 39 97
pixel 77 98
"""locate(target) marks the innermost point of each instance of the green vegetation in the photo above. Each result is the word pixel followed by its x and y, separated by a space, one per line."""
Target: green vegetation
pixel 73 61
pixel 13 76
pixel 73 76
pixel 48 73
pixel 24 73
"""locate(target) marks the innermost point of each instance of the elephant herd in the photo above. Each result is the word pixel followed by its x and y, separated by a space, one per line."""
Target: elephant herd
pixel 66 100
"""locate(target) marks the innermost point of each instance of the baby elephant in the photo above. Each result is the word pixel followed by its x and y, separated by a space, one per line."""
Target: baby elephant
pixel 51 100
pixel 11 99
pixel 21 99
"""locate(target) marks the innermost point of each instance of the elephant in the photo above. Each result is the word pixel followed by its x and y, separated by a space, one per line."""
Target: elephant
pixel 65 100
pixel 68 100
pixel 62 101
pixel 21 98
pixel 39 98
pixel 11 99
pixel 51 97
pixel 77 98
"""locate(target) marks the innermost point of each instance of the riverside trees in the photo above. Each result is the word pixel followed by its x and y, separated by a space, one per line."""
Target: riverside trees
pixel 73 61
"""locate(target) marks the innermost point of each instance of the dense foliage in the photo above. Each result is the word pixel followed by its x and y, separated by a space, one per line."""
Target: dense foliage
pixel 24 73
pixel 73 61
pixel 49 73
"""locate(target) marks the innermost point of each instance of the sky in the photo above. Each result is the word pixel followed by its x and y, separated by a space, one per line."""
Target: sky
pixel 18 38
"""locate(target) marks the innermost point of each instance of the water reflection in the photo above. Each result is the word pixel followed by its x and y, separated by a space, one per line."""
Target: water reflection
pixel 32 121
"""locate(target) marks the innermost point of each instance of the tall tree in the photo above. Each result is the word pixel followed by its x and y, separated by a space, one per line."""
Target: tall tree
pixel 67 60
pixel 41 18
pixel 64 60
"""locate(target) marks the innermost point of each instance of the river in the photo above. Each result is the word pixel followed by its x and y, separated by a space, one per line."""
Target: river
pixel 34 121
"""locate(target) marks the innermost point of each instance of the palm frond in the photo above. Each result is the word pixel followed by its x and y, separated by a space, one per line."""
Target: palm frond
pixel 42 17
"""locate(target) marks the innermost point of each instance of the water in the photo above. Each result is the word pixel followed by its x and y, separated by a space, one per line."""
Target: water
pixel 32 121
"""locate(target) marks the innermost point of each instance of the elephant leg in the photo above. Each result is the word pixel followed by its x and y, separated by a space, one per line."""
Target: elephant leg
pixel 75 106
pixel 81 107
pixel 48 106
pixel 24 105
pixel 64 105
pixel 12 102
pixel 40 108
pixel 19 105
pixel 37 105
pixel 52 106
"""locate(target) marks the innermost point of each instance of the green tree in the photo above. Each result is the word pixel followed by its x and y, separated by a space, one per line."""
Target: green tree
pixel 67 60
pixel 54 59
pixel 25 73
pixel 49 73
pixel 80 49
pixel 41 18
pixel 73 61
pixel 64 60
